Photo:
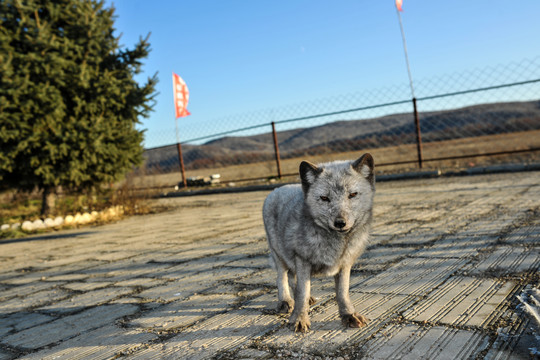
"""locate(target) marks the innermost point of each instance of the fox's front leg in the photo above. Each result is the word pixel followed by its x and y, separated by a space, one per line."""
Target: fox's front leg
pixel 346 309
pixel 299 320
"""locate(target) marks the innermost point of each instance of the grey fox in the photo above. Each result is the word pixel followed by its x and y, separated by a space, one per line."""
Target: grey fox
pixel 320 227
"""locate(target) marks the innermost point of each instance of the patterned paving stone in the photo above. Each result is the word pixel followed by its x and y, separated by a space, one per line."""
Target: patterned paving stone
pixel 183 313
pixel 67 327
pixel 27 289
pixel 505 260
pixel 23 320
pixel 106 343
pixel 461 301
pixel 412 342
pixel 517 340
pixel 257 262
pixel 86 286
pixel 457 246
pixel 4 355
pixel 413 276
pixel 526 235
pixel 381 257
pixel 40 298
pixel 86 300
pixel 220 333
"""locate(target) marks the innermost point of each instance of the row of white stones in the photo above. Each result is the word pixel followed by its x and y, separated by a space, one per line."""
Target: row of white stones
pixel 59 221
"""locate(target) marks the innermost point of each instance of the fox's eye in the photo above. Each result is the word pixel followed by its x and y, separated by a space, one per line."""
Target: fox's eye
pixel 325 198
pixel 351 195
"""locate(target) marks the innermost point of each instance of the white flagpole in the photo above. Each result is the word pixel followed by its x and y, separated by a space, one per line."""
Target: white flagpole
pixel 405 51
pixel 416 117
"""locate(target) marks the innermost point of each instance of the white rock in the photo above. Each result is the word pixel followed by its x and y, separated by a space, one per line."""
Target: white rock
pixel 48 222
pixel 38 224
pixel 69 220
pixel 5 227
pixel 27 226
pixel 58 221
pixel 85 218
pixel 15 226
pixel 77 218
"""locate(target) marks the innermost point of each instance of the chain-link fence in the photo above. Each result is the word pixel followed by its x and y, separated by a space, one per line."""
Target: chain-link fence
pixel 480 117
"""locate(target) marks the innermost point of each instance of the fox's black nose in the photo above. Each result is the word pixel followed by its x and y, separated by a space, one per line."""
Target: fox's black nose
pixel 339 223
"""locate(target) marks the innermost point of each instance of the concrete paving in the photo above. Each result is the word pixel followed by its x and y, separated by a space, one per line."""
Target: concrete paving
pixel 440 280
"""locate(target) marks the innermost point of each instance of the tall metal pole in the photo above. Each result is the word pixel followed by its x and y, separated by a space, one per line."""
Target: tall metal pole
pixel 180 157
pixel 416 118
pixel 418 135
pixel 276 149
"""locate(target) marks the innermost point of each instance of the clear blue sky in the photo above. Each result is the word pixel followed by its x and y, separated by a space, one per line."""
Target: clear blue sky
pixel 244 56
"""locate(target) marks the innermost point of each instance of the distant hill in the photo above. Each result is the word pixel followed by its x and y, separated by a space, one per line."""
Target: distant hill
pixel 339 136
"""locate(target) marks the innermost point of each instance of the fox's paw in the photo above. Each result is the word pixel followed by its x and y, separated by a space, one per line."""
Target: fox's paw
pixel 354 320
pixel 285 307
pixel 301 324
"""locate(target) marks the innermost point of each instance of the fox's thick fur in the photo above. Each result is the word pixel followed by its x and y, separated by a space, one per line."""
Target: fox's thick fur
pixel 320 227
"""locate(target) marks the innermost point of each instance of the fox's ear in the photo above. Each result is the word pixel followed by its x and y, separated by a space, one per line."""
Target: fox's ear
pixel 364 165
pixel 308 174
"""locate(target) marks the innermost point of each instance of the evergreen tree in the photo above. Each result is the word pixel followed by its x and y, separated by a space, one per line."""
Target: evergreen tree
pixel 69 103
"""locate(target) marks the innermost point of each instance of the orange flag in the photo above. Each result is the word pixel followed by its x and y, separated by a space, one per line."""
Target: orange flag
pixel 399 3
pixel 181 96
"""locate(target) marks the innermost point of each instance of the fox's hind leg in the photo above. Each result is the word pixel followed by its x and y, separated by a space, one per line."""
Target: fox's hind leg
pixel 286 303
pixel 299 320
pixel 292 286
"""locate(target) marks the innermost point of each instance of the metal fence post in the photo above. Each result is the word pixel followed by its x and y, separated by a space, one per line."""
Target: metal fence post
pixel 418 135
pixel 181 160
pixel 276 149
